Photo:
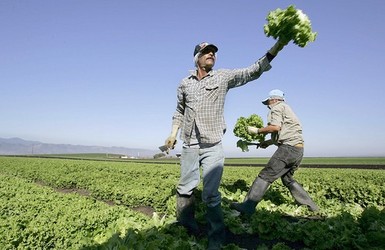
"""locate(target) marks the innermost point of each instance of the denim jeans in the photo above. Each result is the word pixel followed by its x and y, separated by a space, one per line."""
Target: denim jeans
pixel 284 162
pixel 211 159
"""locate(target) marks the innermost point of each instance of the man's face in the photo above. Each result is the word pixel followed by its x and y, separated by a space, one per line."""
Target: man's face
pixel 207 58
pixel 271 102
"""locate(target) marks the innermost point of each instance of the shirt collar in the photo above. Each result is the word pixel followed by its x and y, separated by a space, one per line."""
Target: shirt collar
pixel 193 73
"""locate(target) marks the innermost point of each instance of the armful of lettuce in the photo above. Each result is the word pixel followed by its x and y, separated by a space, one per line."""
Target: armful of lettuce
pixel 240 130
pixel 289 24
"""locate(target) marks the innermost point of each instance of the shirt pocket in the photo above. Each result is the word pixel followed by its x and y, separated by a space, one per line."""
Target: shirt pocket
pixel 212 92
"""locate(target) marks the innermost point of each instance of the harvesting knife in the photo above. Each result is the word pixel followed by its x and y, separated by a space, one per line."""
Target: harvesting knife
pixel 165 148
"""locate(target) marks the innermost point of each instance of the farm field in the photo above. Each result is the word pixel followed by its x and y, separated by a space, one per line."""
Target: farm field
pixel 246 161
pixel 94 204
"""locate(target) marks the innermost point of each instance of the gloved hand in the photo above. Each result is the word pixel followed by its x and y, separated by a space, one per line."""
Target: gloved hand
pixel 171 140
pixel 278 46
pixel 252 130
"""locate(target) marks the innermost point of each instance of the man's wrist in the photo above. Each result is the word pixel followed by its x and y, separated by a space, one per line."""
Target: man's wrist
pixel 269 56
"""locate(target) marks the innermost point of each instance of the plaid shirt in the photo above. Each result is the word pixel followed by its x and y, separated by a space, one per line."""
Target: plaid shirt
pixel 200 105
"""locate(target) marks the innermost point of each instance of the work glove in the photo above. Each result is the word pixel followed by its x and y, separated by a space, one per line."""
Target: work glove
pixel 171 140
pixel 252 130
pixel 278 46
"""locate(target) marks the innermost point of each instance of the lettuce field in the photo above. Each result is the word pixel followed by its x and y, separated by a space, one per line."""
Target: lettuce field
pixel 86 204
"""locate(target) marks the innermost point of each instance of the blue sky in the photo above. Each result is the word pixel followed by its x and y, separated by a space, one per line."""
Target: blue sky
pixel 105 72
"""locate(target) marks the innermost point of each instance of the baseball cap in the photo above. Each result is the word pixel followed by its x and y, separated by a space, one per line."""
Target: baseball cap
pixel 274 94
pixel 203 46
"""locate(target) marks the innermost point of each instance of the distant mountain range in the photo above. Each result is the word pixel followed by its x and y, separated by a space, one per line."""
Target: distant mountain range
pixel 17 146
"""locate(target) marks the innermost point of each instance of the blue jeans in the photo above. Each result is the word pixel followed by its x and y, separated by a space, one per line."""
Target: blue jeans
pixel 284 162
pixel 211 159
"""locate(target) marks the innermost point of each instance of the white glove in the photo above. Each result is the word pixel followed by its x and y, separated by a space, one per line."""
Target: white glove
pixel 252 130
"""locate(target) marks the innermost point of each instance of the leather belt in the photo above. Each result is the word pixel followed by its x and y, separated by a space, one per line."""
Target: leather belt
pixel 299 145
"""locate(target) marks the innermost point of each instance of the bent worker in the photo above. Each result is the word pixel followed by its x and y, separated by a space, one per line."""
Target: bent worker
pixel 286 133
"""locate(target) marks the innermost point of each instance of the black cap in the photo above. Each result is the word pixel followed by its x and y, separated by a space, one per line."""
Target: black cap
pixel 204 45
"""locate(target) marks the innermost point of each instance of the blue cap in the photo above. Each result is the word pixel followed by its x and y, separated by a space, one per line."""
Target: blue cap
pixel 274 94
pixel 204 45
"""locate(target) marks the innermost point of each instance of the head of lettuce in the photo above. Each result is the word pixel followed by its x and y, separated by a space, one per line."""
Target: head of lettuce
pixel 290 24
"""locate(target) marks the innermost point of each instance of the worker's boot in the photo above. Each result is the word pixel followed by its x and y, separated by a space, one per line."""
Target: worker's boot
pixel 216 227
pixel 185 213
pixel 301 196
pixel 252 198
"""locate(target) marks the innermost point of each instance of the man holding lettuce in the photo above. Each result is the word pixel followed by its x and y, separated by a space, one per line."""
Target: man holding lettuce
pixel 199 115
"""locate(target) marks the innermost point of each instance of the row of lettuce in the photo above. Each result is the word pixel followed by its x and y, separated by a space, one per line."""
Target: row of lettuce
pixel 38 214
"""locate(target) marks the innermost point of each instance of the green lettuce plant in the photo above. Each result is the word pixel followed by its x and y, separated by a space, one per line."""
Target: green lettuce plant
pixel 290 24
pixel 240 130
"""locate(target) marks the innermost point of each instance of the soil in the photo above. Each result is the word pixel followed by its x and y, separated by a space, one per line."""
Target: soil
pixel 147 210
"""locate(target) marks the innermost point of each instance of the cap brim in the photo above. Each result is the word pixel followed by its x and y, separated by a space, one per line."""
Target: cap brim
pixel 210 46
pixel 266 101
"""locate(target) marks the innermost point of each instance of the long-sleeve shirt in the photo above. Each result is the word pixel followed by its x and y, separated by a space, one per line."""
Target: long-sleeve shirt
pixel 200 103
pixel 291 130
